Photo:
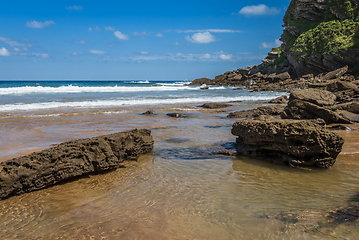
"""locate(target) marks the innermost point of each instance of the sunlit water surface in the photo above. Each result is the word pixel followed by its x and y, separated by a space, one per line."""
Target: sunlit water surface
pixel 181 190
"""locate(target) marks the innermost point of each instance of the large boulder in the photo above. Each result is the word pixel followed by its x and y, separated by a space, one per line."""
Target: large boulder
pixel 298 109
pixel 316 96
pixel 293 142
pixel 350 107
pixel 71 159
pixel 273 110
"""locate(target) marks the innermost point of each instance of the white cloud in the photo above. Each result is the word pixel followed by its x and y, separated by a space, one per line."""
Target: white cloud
pixel 44 55
pixel 205 56
pixel 182 57
pixel 226 57
pixel 210 30
pixel 159 35
pixel 98 52
pixel 96 29
pixel 274 44
pixel 75 54
pixel 121 36
pixel 4 52
pixel 13 43
pixel 259 9
pixel 16 49
pixel 75 8
pixel 200 38
pixel 144 52
pixel 109 28
pixel 36 24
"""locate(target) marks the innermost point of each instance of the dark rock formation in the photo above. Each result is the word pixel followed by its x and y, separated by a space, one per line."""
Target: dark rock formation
pixel 176 115
pixel 273 110
pixel 201 81
pixel 215 105
pixel 148 112
pixel 315 103
pixel 297 143
pixel 279 100
pixel 352 117
pixel 298 109
pixel 350 107
pixel 315 96
pixel 71 159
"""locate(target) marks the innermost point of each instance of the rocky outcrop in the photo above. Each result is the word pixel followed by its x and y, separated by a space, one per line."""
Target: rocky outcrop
pixel 317 97
pixel 296 143
pixel 320 43
pixel 279 100
pixel 71 159
pixel 215 105
pixel 313 35
pixel 315 103
pixel 270 110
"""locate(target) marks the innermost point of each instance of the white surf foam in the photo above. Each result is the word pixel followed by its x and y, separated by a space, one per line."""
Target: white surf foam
pixel 128 102
pixel 107 89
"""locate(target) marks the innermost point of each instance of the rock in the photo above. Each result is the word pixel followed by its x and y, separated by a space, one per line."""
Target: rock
pixel 297 143
pixel 273 110
pixel 340 127
pixel 71 159
pixel 279 100
pixel 338 86
pixel 201 81
pixel 351 117
pixel 264 118
pixel 278 77
pixel 352 107
pixel 148 112
pixel 215 105
pixel 297 109
pixel 176 115
pixel 320 122
pixel 335 74
pixel 204 87
pixel 316 96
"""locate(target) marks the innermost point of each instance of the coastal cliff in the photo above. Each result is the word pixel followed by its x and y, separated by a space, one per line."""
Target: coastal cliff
pixel 319 37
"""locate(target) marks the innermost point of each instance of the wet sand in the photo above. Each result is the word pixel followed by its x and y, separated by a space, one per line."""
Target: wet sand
pixel 179 191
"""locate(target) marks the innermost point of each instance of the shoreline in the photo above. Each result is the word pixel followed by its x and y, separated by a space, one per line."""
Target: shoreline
pixel 72 127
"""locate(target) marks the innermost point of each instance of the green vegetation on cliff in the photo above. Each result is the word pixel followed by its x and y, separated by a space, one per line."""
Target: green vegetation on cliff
pixel 339 30
pixel 327 38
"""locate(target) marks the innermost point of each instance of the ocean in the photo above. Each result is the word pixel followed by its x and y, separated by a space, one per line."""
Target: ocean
pixel 37 95
pixel 180 190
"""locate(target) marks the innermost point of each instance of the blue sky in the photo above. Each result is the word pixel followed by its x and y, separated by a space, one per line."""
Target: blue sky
pixel 154 40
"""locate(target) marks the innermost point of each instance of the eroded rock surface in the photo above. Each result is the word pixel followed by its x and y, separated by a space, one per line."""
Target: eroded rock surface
pixel 71 159
pixel 297 143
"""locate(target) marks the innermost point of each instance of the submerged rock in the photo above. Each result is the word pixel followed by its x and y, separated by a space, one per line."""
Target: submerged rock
pixel 176 115
pixel 71 159
pixel 148 112
pixel 293 142
pixel 215 105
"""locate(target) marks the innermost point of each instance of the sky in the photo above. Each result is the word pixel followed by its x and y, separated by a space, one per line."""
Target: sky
pixel 135 40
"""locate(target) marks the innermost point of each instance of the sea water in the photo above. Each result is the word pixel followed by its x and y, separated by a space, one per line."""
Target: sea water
pixel 180 190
